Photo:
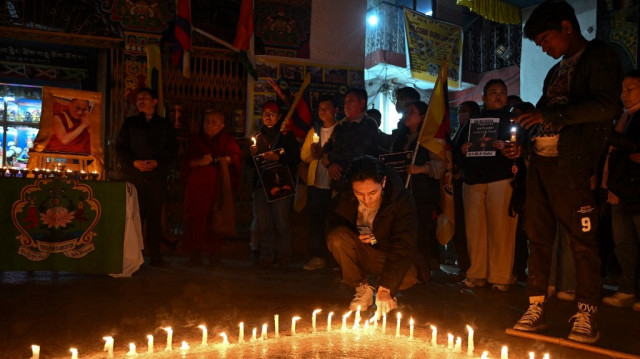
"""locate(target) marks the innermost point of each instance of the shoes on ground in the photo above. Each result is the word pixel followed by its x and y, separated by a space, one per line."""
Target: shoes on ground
pixel 584 328
pixel 314 263
pixel 620 299
pixel 568 295
pixel 533 319
pixel 363 298
pixel 474 282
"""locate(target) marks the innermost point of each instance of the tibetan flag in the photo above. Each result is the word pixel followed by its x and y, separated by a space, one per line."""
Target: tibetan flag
pixel 298 118
pixel 182 37
pixel 434 133
pixel 244 29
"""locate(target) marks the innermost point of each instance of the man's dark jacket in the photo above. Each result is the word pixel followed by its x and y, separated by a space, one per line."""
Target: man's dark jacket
pixel 395 228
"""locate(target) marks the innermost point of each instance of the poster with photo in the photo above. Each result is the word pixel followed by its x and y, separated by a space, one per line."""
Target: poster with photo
pixel 482 133
pixel 399 161
pixel 292 72
pixel 275 177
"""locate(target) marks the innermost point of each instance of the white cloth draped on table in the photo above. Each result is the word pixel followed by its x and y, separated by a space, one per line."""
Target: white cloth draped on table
pixel 133 243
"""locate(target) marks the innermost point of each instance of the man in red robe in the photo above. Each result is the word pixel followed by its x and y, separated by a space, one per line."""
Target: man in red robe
pixel 71 129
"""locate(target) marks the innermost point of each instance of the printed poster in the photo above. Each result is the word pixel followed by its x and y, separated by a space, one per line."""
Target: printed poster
pixel 482 133
pixel 275 177
pixel 399 161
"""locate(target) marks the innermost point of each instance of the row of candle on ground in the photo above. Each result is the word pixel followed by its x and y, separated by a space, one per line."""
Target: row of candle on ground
pixel 45 173
pixel 366 329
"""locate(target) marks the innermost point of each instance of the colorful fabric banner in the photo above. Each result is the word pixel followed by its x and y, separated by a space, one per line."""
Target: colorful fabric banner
pixel 429 42
pixel 62 225
pixel 244 29
pixel 435 131
pixel 182 37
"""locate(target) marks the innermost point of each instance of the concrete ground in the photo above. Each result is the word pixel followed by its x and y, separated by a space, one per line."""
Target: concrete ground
pixel 62 310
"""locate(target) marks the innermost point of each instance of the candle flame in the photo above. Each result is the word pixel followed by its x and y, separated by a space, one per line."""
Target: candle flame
pixel 433 327
pixel 485 355
pixel 546 356
pixel 469 329
pixel 532 355
pixel 203 327
pixel 317 311
pixel 411 321
pixel 168 330
pixel 399 315
pixel 225 340
pixel 185 346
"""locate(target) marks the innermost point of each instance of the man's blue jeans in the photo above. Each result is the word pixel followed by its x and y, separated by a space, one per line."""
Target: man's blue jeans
pixel 626 235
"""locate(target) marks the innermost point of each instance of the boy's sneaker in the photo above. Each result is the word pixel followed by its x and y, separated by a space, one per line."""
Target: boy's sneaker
pixel 533 319
pixel 584 328
pixel 636 307
pixel 314 264
pixel 568 295
pixel 363 298
pixel 620 299
pixel 473 282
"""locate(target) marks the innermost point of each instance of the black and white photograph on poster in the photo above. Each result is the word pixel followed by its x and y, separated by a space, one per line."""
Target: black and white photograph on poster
pixel 482 133
pixel 399 161
pixel 275 177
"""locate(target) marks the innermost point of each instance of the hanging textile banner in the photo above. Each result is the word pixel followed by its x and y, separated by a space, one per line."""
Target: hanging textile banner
pixel 429 42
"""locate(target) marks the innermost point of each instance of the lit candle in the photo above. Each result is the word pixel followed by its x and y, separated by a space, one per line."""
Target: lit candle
pixel 356 323
pixel 357 318
pixel 470 345
pixel 225 340
pixel 204 335
pixel 276 319
pixel 411 328
pixel 344 321
pixel 35 349
pixel 329 321
pixel 149 344
pixel 366 327
pixel 184 348
pixel 504 353
pixel 169 338
pixel 374 320
pixel 263 335
pixel 434 336
pixel 399 317
pixel 132 350
pixel 546 356
pixel 513 134
pixel 313 319
pixel 449 341
pixel 458 347
pixel 384 323
pixel 253 139
pixel 293 325
pixel 316 138
pixel 532 355
pixel 108 346
pixel 241 334
pixel 485 355
pixel 254 335
pixel 74 353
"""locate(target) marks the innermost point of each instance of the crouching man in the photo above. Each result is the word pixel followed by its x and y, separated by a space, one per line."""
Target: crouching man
pixel 372 231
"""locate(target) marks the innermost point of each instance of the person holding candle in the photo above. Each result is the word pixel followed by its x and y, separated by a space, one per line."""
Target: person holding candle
pixel 487 194
pixel 580 98
pixel 318 181
pixel 383 211
pixel 146 146
pixel 211 155
pixel 271 219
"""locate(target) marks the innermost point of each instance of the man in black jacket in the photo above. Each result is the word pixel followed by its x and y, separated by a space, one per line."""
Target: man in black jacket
pixel 580 99
pixel 373 229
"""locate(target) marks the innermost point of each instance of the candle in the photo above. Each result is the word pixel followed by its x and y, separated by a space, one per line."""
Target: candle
pixel 225 340
pixel 356 323
pixel 344 321
pixel 74 353
pixel 254 334
pixel 366 326
pixel 253 139
pixel 149 344
pixel 241 334
pixel 513 134
pixel 184 348
pixel 504 353
pixel 293 325
pixel 357 317
pixel 276 320
pixel 434 336
pixel 313 319
pixel 329 321
pixel 108 346
pixel 169 338
pixel 449 341
pixel 470 345
pixel 374 320
pixel 384 323
pixel 532 355
pixel 458 347
pixel 399 317
pixel 411 328
pixel 35 349
pixel 485 355
pixel 316 138
pixel 132 350
pixel 263 335
pixel 546 356
pixel 204 335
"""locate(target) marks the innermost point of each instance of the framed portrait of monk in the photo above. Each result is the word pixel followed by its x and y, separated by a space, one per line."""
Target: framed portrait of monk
pixel 71 125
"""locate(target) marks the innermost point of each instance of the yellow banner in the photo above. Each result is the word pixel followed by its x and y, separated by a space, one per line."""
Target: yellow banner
pixel 429 42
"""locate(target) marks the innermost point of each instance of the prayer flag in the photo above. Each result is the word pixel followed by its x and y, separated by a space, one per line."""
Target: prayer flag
pixel 182 38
